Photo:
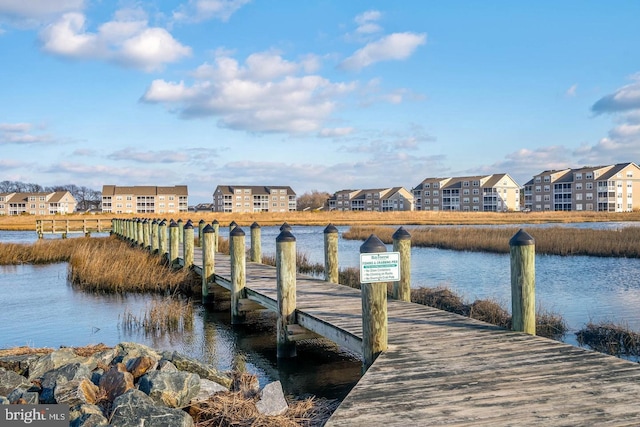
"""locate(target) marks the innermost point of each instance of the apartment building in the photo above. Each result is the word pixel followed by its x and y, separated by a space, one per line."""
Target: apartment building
pixel 484 193
pixel 52 203
pixel 608 188
pixel 254 198
pixel 375 199
pixel 144 199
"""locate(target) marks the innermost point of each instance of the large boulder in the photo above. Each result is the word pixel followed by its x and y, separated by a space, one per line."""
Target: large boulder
pixel 9 381
pixel 126 351
pixel 272 400
pixel 141 365
pixel 173 389
pixel 134 408
pixel 85 415
pixel 76 392
pixel 207 389
pixel 19 364
pixel 189 364
pixel 56 377
pixel 116 381
pixel 51 361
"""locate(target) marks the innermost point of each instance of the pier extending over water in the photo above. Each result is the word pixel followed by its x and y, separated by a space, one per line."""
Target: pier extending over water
pixel 431 367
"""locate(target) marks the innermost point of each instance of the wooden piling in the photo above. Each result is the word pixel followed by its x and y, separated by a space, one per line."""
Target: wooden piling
pixel 146 235
pixel 174 244
pixel 238 273
pixel 154 236
pixel 402 245
pixel 216 230
pixel 232 225
pixel 201 225
pixel 331 267
pixel 208 262
pixel 188 240
pixel 256 243
pixel 286 291
pixel 523 282
pixel 140 232
pixel 180 227
pixel 374 310
pixel 163 249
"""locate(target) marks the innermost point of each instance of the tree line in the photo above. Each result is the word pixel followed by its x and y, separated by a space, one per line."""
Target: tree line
pixel 86 197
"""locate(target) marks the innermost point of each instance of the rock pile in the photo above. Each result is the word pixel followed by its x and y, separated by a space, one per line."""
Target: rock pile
pixel 121 386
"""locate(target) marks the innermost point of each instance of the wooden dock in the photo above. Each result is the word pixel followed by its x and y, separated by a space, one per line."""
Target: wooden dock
pixel 64 227
pixel 449 370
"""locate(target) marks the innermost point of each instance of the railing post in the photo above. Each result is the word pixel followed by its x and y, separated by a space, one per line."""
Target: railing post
pixel 402 245
pixel 163 248
pixel 216 230
pixel 180 227
pixel 140 230
pixel 201 225
pixel 154 236
pixel 286 286
pixel 256 243
pixel 232 225
pixel 208 262
pixel 146 236
pixel 331 254
pixel 374 309
pixel 238 273
pixel 174 244
pixel 188 242
pixel 523 282
pixel 39 229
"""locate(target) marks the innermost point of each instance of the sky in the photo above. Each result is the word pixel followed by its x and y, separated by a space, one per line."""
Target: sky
pixel 318 94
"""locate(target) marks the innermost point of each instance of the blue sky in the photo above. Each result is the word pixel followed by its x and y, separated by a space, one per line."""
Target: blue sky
pixel 314 94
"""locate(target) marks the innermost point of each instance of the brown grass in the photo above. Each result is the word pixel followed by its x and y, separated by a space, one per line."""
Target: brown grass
pixel 27 222
pixel 551 240
pixel 84 351
pixel 610 338
pixel 161 316
pixel 44 251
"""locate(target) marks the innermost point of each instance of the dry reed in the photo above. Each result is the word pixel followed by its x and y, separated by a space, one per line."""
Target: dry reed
pixel 548 240
pixel 169 315
pixel 611 338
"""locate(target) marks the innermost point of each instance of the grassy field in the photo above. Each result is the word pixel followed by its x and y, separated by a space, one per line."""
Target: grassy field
pixel 28 222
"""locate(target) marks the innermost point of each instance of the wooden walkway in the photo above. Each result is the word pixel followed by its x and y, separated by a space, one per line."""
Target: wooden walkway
pixel 445 369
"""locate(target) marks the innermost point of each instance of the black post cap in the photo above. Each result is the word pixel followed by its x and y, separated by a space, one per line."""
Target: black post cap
pixel 401 234
pixel 372 245
pixel 237 231
pixel 208 229
pixel 330 229
pixel 285 236
pixel 285 227
pixel 522 238
pixel 255 225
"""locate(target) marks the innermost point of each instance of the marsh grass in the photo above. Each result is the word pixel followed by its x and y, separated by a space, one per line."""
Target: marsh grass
pixel 44 251
pixel 611 338
pixel 161 316
pixel 548 240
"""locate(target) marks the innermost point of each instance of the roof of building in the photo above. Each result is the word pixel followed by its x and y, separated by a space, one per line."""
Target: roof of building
pixel 144 190
pixel 255 189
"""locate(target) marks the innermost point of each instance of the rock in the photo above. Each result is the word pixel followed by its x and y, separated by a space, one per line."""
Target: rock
pixel 24 395
pixel 86 416
pixel 76 392
pixel 189 364
pixel 19 364
pixel 141 365
pixel 116 381
pixel 272 400
pixel 125 351
pixel 56 377
pixel 102 358
pixel 4 400
pixel 51 361
pixel 173 389
pixel 207 389
pixel 165 366
pixel 135 409
pixel 9 380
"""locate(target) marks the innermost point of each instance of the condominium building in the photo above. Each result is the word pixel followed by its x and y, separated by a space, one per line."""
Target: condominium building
pixel 44 203
pixel 376 199
pixel 485 193
pixel 144 199
pixel 608 188
pixel 254 198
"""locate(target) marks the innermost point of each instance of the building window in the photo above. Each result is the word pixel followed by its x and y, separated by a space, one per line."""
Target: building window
pixel 589 185
pixel 578 176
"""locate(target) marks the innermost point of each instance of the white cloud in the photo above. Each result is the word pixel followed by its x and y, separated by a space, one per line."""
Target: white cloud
pixel 367 22
pixel 266 94
pixel 35 12
pixel 335 132
pixel 397 46
pixel 201 10
pixel 127 40
pixel 572 91
pixel 626 98
pixel 160 156
pixel 21 134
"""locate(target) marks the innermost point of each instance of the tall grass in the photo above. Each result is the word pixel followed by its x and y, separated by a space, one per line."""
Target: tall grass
pixel 168 315
pixel 551 240
pixel 611 338
pixel 44 251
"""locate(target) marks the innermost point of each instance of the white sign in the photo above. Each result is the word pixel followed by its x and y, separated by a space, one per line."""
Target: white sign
pixel 380 267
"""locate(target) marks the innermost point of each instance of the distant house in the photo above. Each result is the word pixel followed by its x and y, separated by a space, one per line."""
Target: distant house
pixel 144 199
pixel 44 203
pixel 254 198
pixel 607 188
pixel 377 199
pixel 482 193
pixel 203 207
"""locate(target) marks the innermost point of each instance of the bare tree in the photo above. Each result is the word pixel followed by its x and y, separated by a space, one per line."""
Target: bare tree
pixel 313 200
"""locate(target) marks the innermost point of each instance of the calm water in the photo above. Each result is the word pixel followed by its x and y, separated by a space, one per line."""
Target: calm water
pixel 39 308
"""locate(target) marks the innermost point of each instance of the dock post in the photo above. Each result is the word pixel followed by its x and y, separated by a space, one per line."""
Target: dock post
pixel 238 273
pixel 523 282
pixel 256 243
pixel 331 254
pixel 162 239
pixel 216 230
pixel 286 286
pixel 66 229
pixel 174 244
pixel 146 236
pixel 39 228
pixel 208 262
pixel 285 227
pixel 133 231
pixel 180 233
pixel 114 226
pixel 140 228
pixel 188 242
pixel 232 225
pixel 154 236
pixel 402 245
pixel 374 309
pixel 201 225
